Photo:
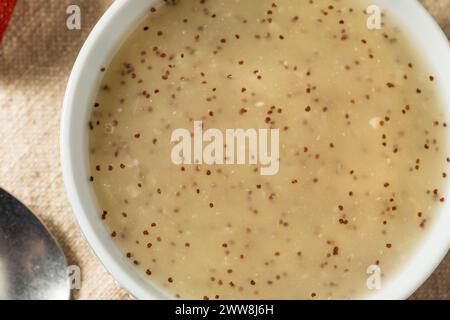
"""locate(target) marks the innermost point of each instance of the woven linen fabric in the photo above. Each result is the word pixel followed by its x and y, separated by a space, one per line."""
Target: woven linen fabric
pixel 36 56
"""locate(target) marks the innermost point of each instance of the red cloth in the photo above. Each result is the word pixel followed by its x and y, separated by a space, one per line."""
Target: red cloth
pixel 6 10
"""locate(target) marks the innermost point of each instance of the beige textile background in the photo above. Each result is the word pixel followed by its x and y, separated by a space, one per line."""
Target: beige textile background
pixel 36 57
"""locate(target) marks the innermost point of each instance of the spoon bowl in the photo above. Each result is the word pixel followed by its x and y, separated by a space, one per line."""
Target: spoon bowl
pixel 32 265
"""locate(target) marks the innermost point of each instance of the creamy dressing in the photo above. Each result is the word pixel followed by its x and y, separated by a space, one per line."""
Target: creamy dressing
pixel 362 161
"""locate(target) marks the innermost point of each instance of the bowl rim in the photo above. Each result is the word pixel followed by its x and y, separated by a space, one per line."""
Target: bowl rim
pixel 119 20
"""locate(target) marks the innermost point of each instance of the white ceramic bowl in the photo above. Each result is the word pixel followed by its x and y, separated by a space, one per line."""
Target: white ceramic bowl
pixel 107 36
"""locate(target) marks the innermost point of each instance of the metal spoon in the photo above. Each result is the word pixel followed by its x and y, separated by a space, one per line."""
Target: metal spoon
pixel 32 265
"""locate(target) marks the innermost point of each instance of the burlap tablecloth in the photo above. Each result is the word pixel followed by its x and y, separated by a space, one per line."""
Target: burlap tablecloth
pixel 36 57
